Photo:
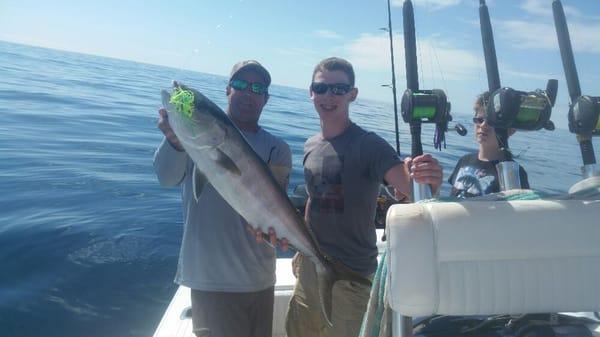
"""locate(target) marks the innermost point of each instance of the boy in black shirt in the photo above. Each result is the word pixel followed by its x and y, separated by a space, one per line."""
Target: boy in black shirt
pixel 475 174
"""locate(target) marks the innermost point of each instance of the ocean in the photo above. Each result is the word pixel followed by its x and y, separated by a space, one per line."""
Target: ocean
pixel 88 239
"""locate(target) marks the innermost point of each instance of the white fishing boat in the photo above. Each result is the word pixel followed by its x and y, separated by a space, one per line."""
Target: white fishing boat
pixel 501 259
pixel 177 320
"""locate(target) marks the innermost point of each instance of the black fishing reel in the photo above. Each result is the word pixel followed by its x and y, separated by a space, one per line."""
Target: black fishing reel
pixel 425 106
pixel 508 108
pixel 584 116
pixel 430 106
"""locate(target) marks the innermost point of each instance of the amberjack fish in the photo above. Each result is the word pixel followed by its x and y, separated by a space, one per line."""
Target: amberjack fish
pixel 222 155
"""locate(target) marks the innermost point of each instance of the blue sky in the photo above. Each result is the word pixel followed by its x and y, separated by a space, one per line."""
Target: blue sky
pixel 290 37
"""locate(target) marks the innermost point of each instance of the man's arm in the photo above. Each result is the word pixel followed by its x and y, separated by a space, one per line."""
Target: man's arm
pixel 170 161
pixel 423 169
pixel 169 164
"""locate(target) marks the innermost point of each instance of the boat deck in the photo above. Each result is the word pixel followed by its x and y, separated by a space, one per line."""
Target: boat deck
pixel 177 322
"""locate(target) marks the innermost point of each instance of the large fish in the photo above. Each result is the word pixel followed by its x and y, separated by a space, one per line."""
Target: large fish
pixel 224 157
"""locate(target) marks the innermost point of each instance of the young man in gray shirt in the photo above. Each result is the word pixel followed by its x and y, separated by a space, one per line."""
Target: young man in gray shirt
pixel 231 276
pixel 344 166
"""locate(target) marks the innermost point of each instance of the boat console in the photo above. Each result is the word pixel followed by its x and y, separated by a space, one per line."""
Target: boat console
pixel 493 258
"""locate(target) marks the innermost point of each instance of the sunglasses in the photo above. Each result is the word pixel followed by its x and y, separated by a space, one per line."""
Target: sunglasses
pixel 339 89
pixel 478 120
pixel 256 87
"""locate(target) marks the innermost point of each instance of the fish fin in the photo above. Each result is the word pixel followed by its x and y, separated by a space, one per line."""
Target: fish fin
pixel 199 180
pixel 226 162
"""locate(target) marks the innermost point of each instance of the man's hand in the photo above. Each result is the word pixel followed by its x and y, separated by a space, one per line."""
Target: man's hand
pixel 165 127
pixel 270 239
pixel 425 169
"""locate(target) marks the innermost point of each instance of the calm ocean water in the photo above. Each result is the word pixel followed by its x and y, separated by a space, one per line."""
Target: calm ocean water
pixel 88 238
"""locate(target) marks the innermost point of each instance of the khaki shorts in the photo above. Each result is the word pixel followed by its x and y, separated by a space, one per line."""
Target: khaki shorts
pixel 304 316
pixel 223 314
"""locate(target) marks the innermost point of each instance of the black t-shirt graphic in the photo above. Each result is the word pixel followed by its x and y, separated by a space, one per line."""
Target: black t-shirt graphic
pixel 473 177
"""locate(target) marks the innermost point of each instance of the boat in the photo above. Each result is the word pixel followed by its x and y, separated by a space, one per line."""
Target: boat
pixel 478 259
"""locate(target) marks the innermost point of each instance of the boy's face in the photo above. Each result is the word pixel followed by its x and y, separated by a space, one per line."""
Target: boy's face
pixel 329 104
pixel 484 134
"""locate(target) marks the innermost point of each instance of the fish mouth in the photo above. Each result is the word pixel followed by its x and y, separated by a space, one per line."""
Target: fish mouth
pixel 166 101
pixel 180 100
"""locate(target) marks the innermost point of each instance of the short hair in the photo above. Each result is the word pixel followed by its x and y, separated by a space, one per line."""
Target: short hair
pixel 333 64
pixel 482 100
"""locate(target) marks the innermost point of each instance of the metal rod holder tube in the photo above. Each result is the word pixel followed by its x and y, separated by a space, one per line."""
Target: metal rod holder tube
pixel 420 191
pixel 590 170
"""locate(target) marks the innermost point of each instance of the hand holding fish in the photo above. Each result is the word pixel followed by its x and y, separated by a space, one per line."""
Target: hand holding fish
pixel 165 127
pixel 272 237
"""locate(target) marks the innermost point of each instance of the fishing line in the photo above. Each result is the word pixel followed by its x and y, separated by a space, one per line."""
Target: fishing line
pixel 522 152
pixel 440 67
pixel 431 67
pixel 420 58
pixel 439 136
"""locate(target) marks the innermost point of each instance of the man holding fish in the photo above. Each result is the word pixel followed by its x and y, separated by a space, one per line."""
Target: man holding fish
pixel 231 276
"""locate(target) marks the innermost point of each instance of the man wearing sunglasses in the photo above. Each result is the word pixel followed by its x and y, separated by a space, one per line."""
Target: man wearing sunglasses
pixel 344 166
pixel 475 173
pixel 232 277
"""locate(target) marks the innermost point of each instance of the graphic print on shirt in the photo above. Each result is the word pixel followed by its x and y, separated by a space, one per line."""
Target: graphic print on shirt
pixel 472 182
pixel 324 177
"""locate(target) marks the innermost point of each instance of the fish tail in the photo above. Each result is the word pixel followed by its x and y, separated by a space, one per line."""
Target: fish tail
pixel 325 279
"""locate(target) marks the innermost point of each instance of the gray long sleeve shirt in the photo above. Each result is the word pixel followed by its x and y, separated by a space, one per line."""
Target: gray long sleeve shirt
pixel 217 251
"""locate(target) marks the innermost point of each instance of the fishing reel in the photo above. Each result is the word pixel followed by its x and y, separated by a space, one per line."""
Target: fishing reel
pixel 508 108
pixel 425 106
pixel 584 116
pixel 430 106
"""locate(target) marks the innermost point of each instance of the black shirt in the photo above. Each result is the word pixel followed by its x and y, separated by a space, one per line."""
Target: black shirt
pixel 473 177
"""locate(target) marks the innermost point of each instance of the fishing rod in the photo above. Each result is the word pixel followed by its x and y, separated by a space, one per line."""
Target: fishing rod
pixel 508 108
pixel 418 107
pixel 389 30
pixel 421 106
pixel 584 111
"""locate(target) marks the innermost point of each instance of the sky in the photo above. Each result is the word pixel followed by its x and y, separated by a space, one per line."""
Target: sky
pixel 291 37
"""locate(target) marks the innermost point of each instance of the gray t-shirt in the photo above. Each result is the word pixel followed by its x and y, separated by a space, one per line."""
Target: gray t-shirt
pixel 342 176
pixel 217 251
